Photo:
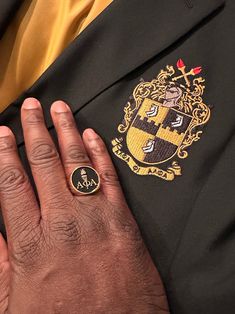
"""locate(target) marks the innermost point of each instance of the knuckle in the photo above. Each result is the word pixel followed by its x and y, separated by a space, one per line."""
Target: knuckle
pixel 43 153
pixel 74 153
pixel 97 148
pixel 12 179
pixel 109 177
pixel 65 229
pixel 66 122
pixel 6 145
pixel 34 117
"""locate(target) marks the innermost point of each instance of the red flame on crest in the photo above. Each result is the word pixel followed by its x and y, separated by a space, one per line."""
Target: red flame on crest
pixel 180 64
pixel 197 70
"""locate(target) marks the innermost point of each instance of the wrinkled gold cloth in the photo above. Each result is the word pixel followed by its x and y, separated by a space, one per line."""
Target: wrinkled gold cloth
pixel 36 36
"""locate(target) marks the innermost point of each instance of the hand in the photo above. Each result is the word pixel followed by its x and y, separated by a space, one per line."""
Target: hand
pixel 70 253
pixel 4 276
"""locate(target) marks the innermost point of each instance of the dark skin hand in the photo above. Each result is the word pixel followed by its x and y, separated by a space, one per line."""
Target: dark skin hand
pixel 70 253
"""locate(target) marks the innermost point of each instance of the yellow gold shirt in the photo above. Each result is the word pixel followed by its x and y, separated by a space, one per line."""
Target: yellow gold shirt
pixel 36 36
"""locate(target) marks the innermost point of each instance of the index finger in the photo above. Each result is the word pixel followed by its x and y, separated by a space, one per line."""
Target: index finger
pixel 18 201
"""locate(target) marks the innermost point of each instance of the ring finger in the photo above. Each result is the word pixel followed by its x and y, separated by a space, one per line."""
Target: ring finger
pixel 73 152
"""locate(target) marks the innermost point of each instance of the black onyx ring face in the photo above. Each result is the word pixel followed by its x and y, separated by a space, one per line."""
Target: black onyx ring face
pixel 85 180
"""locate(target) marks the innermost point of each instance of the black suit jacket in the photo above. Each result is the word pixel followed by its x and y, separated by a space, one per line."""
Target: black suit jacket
pixel 188 224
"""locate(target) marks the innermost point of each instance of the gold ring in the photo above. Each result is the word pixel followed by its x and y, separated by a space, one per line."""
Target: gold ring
pixel 85 180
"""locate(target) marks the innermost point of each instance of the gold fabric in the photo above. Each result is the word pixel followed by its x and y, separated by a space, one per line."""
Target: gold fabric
pixel 37 35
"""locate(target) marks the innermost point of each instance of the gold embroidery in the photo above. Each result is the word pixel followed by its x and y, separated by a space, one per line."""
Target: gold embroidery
pixel 172 137
pixel 135 146
pixel 161 120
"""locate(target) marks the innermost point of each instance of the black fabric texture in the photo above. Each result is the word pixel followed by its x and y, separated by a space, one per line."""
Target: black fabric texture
pixel 7 10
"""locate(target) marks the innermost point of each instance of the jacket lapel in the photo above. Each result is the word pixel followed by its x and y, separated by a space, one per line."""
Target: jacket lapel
pixel 124 36
pixel 7 10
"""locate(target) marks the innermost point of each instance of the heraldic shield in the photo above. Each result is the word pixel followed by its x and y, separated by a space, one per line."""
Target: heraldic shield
pixel 161 120
pixel 160 132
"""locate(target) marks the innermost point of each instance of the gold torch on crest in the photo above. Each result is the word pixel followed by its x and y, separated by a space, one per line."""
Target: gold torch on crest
pixel 162 119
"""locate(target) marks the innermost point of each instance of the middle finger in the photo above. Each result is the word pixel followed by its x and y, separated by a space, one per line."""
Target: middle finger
pixel 72 149
pixel 42 154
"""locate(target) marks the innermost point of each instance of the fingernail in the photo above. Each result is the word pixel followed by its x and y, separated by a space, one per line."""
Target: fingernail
pixel 31 103
pixel 60 106
pixel 90 133
pixel 4 131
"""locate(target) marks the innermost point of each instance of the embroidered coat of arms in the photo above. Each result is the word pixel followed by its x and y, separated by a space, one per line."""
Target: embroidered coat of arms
pixel 161 120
